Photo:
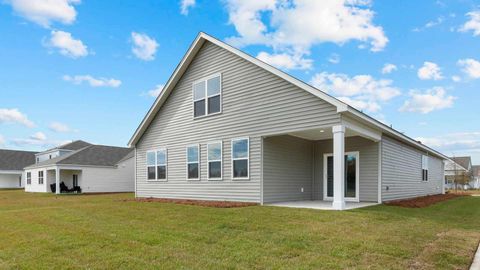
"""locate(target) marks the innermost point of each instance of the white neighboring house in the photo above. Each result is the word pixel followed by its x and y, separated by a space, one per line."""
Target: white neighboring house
pixel 458 166
pixel 11 167
pixel 82 167
pixel 476 177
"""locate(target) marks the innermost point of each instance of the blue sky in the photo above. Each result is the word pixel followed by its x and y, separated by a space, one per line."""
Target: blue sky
pixel 88 70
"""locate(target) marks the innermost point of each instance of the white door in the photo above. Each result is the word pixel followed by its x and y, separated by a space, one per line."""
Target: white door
pixel 352 170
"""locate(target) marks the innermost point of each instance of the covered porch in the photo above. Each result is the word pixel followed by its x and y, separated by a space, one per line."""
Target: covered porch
pixel 64 179
pixel 335 167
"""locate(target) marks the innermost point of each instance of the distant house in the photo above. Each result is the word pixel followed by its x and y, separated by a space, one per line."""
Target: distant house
pixel 456 167
pixel 12 163
pixel 476 177
pixel 81 166
pixel 228 126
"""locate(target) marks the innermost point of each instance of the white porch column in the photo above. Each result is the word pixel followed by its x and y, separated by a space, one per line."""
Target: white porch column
pixel 57 180
pixel 338 167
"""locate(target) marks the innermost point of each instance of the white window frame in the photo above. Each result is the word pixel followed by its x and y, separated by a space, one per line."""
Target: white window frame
pixel 216 160
pixel 247 158
pixel 425 166
pixel 207 96
pixel 187 162
pixel 29 178
pixel 41 178
pixel 156 165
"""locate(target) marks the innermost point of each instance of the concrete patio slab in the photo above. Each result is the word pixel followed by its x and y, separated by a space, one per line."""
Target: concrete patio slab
pixel 320 205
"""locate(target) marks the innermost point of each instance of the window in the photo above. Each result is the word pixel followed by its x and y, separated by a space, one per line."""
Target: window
pixel 38 159
pixel 49 156
pixel 424 168
pixel 214 156
pixel 240 158
pixel 207 96
pixel 40 177
pixel 29 178
pixel 157 165
pixel 193 164
pixel 75 180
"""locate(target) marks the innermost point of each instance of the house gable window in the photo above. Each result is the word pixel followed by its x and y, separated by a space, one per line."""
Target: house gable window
pixel 214 159
pixel 29 178
pixel 157 165
pixel 207 96
pixel 193 162
pixel 424 168
pixel 40 177
pixel 240 158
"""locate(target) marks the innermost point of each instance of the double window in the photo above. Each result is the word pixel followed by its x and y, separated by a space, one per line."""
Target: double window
pixel 214 160
pixel 157 165
pixel 40 177
pixel 207 96
pixel 240 158
pixel 424 168
pixel 193 162
pixel 29 178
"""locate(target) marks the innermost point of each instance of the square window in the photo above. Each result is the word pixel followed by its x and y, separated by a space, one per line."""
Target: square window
pixel 240 148
pixel 193 171
pixel 199 91
pixel 215 169
pixel 213 86
pixel 150 158
pixel 214 104
pixel 162 172
pixel 240 168
pixel 199 108
pixel 151 173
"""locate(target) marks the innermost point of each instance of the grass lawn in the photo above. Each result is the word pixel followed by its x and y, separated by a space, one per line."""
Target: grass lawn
pixel 44 231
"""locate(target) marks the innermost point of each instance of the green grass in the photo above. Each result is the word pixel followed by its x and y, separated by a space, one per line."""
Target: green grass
pixel 44 231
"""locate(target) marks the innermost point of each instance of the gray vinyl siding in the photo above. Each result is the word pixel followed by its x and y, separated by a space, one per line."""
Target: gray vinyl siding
pixel 288 163
pixel 402 172
pixel 255 103
pixel 368 158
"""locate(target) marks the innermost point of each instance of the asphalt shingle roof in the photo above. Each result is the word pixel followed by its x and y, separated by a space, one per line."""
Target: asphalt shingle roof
pixel 75 145
pixel 13 160
pixel 476 170
pixel 462 161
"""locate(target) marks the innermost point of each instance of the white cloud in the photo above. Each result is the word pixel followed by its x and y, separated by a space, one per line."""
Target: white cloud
pixel 470 67
pixel 456 78
pixel 276 23
pixel 473 24
pixel 433 99
pixel 185 5
pixel 453 142
pixel 156 91
pixel 334 58
pixel 285 60
pixel 2 140
pixel 94 82
pixel 59 127
pixel 361 91
pixel 44 12
pixel 388 68
pixel 144 47
pixel 38 139
pixel 429 71
pixel 67 45
pixel 15 116
pixel 430 24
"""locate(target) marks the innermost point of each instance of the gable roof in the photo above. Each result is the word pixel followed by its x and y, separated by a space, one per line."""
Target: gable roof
pixel 465 162
pixel 13 160
pixel 341 106
pixel 75 145
pixel 91 155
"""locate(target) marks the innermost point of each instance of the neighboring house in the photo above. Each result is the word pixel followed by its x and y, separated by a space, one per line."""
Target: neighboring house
pixel 457 167
pixel 92 168
pixel 227 126
pixel 476 177
pixel 11 167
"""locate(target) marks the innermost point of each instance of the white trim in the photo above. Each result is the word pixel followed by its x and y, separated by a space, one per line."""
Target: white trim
pixel 248 158
pixel 380 158
pixel 206 97
pixel 187 162
pixel 261 170
pixel 357 177
pixel 425 161
pixel 135 171
pixel 156 164
pixel 216 160
pixel 43 177
pixel 27 178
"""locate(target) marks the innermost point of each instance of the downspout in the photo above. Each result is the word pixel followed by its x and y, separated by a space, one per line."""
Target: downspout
pixel 380 158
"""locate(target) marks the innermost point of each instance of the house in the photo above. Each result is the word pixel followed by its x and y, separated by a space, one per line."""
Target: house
pixel 11 167
pixel 228 126
pixel 82 166
pixel 475 183
pixel 456 167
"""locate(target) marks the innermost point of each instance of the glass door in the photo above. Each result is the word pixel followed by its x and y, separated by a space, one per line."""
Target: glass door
pixel 351 176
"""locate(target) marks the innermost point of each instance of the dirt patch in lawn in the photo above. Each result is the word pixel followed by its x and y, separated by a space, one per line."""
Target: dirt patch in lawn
pixel 424 201
pixel 217 204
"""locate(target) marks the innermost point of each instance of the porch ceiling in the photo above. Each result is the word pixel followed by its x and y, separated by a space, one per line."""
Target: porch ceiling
pixel 321 134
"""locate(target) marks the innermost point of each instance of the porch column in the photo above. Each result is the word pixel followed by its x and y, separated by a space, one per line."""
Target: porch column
pixel 57 180
pixel 338 167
